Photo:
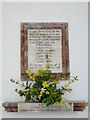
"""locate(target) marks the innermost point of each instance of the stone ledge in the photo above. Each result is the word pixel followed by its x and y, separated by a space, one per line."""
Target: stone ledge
pixel 13 106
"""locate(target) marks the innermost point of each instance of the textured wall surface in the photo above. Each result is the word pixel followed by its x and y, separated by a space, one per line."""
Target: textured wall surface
pixel 77 17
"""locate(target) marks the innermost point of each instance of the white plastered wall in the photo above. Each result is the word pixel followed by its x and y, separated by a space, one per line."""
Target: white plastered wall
pixel 76 14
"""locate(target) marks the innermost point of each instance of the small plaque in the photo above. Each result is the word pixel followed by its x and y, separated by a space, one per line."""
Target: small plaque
pixel 42 107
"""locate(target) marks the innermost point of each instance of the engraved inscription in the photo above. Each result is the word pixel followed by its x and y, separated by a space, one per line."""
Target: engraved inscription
pixel 42 42
pixel 42 107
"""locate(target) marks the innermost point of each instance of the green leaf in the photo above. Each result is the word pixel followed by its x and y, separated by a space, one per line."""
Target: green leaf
pixel 16 90
pixel 47 103
pixel 52 75
pixel 63 88
pixel 20 92
pixel 27 83
pixel 17 82
pixel 12 80
pixel 46 56
pixel 52 101
pixel 54 86
pixel 70 103
pixel 68 73
pixel 30 85
pixel 44 100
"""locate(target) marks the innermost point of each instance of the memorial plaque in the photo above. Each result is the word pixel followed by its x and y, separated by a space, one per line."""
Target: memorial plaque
pixel 40 39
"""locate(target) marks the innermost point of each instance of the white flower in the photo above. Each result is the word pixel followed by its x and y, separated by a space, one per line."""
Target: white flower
pixel 43 90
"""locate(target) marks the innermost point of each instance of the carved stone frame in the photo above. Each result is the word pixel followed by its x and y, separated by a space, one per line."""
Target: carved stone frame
pixel 65 45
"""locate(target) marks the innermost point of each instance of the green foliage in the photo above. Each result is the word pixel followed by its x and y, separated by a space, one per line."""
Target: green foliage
pixel 27 85
pixel 68 73
pixel 70 103
pixel 44 89
pixel 21 93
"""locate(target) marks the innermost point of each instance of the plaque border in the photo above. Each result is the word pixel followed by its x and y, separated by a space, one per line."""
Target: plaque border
pixel 65 46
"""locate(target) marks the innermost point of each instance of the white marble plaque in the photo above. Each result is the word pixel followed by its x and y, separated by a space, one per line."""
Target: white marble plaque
pixel 42 42
pixel 42 107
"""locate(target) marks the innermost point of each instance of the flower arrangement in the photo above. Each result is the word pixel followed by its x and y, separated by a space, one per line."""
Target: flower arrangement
pixel 44 89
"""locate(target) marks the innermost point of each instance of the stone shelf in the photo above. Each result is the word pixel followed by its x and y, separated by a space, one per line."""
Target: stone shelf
pixel 15 107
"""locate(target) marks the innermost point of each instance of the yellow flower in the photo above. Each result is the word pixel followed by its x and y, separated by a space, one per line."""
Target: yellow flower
pixel 64 104
pixel 21 86
pixel 36 74
pixel 27 92
pixel 30 73
pixel 44 84
pixel 62 99
pixel 60 103
pixel 41 75
pixel 70 90
pixel 33 78
pixel 47 92
pixel 47 85
pixel 28 69
pixel 39 96
pixel 62 78
pixel 41 93
pixel 48 60
pixel 58 81
pixel 47 66
pixel 66 85
pixel 33 75
pixel 57 102
pixel 70 82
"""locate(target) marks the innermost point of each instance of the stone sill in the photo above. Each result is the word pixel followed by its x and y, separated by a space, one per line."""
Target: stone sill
pixel 13 106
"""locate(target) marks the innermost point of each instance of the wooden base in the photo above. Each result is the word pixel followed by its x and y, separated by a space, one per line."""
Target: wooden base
pixel 13 107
